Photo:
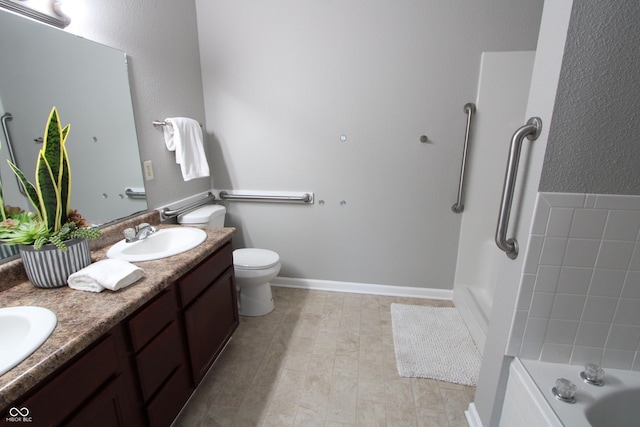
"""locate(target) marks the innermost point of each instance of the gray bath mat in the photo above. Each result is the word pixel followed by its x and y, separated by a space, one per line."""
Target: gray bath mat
pixel 433 342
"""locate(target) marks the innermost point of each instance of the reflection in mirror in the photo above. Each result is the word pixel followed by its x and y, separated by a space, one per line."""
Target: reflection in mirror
pixel 43 67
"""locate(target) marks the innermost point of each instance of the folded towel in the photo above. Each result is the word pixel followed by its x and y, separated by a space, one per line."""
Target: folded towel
pixel 110 274
pixel 184 136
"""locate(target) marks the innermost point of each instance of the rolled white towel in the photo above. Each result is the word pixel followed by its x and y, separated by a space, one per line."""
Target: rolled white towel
pixel 110 274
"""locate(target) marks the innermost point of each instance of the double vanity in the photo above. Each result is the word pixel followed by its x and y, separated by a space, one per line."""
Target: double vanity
pixel 131 357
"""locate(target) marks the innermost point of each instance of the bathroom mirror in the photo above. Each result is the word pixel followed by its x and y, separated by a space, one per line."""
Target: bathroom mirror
pixel 43 67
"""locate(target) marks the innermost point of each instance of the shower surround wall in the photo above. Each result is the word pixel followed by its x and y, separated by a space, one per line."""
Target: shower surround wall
pixel 579 298
pixel 284 80
pixel 580 289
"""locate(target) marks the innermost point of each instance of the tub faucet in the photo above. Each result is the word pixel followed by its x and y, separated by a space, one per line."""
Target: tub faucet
pixel 593 374
pixel 140 232
pixel 564 390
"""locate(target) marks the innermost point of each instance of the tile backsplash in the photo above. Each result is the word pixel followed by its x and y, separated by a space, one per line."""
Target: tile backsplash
pixel 579 298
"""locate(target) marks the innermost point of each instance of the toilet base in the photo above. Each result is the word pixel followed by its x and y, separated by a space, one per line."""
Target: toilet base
pixel 255 301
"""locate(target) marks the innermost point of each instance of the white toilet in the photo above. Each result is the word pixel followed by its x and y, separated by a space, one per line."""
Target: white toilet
pixel 254 268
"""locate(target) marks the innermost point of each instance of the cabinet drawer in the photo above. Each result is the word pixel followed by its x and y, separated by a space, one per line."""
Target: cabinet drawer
pixel 202 276
pixel 159 359
pixel 68 390
pixel 166 405
pixel 153 318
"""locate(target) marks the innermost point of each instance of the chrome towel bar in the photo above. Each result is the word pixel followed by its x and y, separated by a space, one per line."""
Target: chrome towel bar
pixel 469 109
pixel 157 123
pixel 303 198
pixel 531 131
pixel 166 212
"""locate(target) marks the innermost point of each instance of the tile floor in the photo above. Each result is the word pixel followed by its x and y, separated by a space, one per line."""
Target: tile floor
pixel 321 359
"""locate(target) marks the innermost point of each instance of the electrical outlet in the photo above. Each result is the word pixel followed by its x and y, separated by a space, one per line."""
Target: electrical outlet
pixel 148 170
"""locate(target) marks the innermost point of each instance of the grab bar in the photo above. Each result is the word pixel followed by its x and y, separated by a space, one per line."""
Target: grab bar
pixel 303 198
pixel 5 118
pixel 133 194
pixel 469 109
pixel 166 212
pixel 531 131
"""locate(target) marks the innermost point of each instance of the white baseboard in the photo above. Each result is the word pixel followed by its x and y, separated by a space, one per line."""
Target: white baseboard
pixel 472 314
pixel 471 414
pixel 363 288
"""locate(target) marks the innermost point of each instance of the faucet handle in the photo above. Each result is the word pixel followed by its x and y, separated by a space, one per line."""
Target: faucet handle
pixel 593 374
pixel 129 234
pixel 564 390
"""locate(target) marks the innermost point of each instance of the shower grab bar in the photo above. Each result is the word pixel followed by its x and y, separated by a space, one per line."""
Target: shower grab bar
pixel 303 198
pixel 469 109
pixel 166 212
pixel 7 117
pixel 531 131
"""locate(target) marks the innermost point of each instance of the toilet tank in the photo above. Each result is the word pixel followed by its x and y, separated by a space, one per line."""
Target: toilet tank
pixel 207 215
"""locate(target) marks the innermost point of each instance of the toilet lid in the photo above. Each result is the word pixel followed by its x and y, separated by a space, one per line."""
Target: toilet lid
pixel 202 215
pixel 254 259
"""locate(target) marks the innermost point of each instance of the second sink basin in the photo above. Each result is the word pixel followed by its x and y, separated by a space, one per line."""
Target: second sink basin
pixel 22 330
pixel 163 243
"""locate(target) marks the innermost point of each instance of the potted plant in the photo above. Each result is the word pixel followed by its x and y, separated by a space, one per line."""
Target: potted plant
pixel 52 240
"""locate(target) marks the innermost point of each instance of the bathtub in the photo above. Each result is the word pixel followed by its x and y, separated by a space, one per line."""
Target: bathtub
pixel 529 401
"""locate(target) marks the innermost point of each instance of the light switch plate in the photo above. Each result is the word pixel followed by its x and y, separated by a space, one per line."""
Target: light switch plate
pixel 148 170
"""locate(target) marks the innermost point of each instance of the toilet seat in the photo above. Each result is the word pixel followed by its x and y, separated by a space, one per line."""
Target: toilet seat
pixel 254 259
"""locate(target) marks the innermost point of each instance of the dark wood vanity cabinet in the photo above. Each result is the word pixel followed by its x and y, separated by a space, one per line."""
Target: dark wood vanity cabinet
pixel 95 388
pixel 159 353
pixel 143 371
pixel 210 308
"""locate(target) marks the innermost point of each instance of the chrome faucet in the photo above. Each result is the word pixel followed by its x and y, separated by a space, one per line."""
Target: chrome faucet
pixel 140 232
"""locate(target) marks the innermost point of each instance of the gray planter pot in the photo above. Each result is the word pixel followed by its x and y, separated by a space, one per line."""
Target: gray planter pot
pixel 49 267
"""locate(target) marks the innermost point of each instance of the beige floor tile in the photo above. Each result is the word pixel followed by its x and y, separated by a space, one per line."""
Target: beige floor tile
pixel 312 410
pixel 372 390
pixel 321 359
pixel 370 414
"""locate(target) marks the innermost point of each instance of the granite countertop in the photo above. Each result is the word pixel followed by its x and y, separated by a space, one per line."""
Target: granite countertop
pixel 85 316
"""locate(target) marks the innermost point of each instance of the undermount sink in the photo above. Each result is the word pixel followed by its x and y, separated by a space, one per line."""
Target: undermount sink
pixel 163 243
pixel 22 330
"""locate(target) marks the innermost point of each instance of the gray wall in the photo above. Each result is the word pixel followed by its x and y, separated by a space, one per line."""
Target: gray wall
pixel 284 79
pixel 161 41
pixel 594 140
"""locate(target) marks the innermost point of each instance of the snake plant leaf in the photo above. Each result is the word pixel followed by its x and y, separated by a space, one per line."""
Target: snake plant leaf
pixel 29 189
pixel 65 133
pixel 48 193
pixel 3 214
pixel 52 147
pixel 64 184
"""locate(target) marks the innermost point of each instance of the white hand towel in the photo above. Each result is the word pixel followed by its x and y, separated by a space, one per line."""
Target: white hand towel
pixel 110 274
pixel 184 136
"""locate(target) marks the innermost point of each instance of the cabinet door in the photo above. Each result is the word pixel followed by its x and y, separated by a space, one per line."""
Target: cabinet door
pixel 210 321
pixel 104 410
pixel 93 383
